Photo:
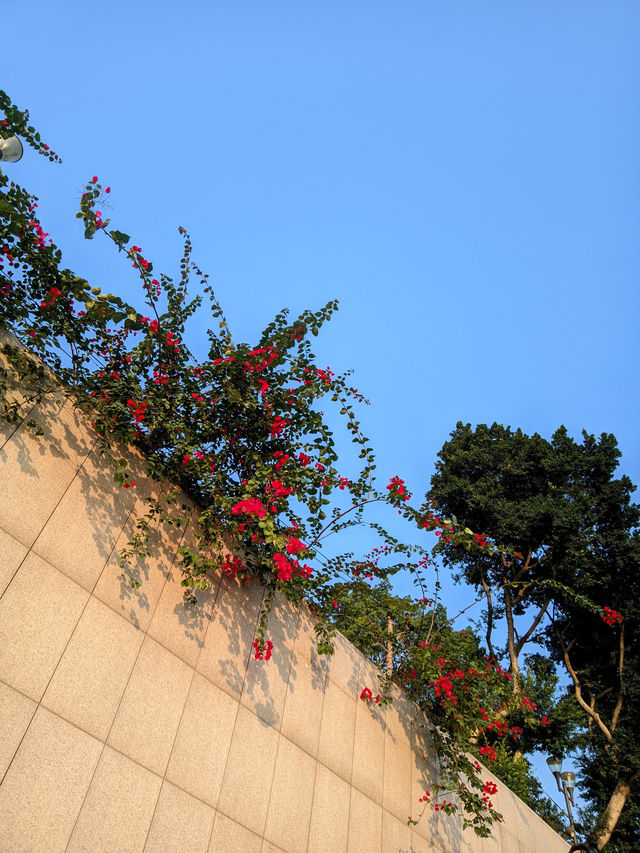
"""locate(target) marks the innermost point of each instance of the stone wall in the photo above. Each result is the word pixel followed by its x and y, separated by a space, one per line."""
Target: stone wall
pixel 129 722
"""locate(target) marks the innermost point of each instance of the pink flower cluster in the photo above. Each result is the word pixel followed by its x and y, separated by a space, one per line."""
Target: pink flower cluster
pixel 398 489
pixel 232 565
pixel 262 650
pixel 367 696
pixel 249 506
pixel 610 617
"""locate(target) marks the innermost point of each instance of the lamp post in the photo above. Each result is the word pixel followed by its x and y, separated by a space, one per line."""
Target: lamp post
pixel 565 787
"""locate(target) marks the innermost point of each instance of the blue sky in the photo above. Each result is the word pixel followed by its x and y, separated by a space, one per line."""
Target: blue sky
pixel 462 176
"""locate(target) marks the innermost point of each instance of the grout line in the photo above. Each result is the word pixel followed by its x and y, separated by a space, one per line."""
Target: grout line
pixel 148 769
pixel 10 581
pixel 105 742
pixel 24 733
pixel 238 700
pixel 186 700
pixel 280 735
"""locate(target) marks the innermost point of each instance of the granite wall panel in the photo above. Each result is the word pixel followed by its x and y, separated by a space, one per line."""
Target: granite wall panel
pixel 131 721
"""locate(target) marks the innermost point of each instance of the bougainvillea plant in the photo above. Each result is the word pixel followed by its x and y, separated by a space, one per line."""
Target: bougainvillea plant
pixel 242 433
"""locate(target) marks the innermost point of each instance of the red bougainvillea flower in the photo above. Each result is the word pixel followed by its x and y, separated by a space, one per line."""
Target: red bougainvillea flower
pixel 232 565
pixel 610 617
pixel 366 694
pixel 295 546
pixel 249 506
pixel 284 567
pixel 262 650
pixel 489 751
pixel 397 488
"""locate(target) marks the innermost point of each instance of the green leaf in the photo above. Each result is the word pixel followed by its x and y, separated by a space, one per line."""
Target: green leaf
pixel 120 237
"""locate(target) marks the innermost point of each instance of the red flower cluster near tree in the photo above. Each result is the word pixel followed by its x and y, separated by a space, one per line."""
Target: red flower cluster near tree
pixel 611 617
pixel 398 489
pixel 52 295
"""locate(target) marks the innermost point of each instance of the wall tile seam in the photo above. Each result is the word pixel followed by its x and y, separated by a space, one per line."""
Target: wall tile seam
pixel 228 693
pixel 113 548
pixel 194 670
pixel 353 751
pixel 31 545
pixel 337 773
pixel 162 778
pixel 235 723
pixel 6 338
pixel 71 635
pixel 71 465
pixel 24 733
pixel 17 426
pixel 86 793
pixel 313 794
pixel 164 775
pixel 91 595
pixel 280 735
pixel 20 563
pixel 66 645
pixel 105 744
pixel 113 610
pixel 216 809
pixel 273 775
pixel 277 728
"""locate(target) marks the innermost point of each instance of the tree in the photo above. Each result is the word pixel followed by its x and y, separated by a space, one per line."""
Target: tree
pixel 564 575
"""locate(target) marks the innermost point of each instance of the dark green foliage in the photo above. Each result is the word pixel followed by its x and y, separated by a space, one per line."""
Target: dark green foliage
pixel 569 547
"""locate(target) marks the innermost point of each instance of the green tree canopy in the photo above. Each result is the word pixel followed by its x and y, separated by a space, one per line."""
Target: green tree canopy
pixel 565 574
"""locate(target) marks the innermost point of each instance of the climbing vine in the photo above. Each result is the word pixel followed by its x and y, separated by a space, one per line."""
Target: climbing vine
pixel 241 431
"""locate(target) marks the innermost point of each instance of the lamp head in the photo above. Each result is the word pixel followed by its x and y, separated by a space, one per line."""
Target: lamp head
pixel 555 764
pixel 10 150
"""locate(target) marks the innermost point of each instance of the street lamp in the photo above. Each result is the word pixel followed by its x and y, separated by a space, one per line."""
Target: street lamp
pixel 566 788
pixel 10 150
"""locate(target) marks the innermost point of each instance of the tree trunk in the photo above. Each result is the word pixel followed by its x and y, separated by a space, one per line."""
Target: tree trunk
pixel 389 645
pixel 614 808
pixel 511 641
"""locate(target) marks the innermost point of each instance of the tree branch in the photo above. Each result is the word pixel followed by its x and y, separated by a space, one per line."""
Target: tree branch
pixel 534 625
pixel 487 592
pixel 622 691
pixel 591 712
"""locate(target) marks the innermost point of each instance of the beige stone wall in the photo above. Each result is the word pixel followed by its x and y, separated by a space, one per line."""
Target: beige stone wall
pixel 129 723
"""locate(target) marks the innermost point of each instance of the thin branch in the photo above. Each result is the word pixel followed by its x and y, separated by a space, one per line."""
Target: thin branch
pixel 592 713
pixel 534 625
pixel 487 592
pixel 622 691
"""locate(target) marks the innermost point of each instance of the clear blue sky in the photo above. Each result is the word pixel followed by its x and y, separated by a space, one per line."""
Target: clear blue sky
pixel 464 177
